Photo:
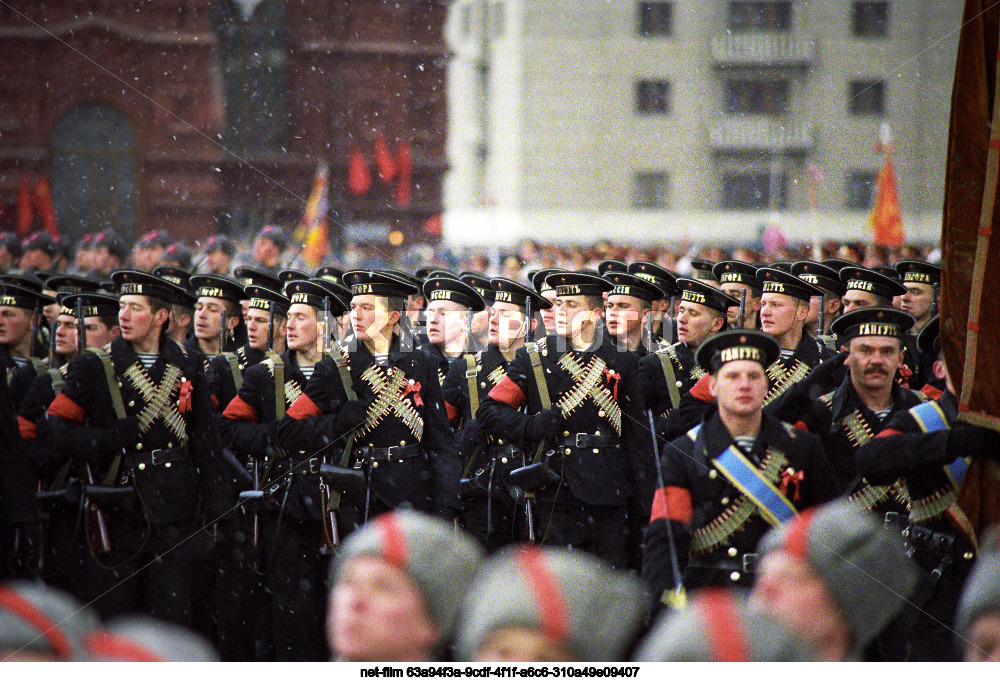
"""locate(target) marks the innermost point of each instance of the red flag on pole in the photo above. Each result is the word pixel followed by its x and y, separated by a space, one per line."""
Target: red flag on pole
pixel 23 207
pixel 885 218
pixel 359 178
pixel 384 161
pixel 43 206
pixel 404 165
pixel 970 250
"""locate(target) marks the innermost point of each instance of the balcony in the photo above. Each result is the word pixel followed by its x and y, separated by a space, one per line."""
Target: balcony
pixel 759 134
pixel 762 49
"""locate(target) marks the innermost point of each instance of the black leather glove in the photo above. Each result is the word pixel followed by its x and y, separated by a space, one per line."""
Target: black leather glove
pixel 544 425
pixel 123 434
pixel 472 438
pixel 969 440
pixel 350 416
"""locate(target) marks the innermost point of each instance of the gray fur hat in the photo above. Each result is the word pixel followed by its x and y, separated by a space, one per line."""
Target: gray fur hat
pixel 718 626
pixel 982 588
pixel 439 560
pixel 140 638
pixel 864 566
pixel 573 597
pixel 39 619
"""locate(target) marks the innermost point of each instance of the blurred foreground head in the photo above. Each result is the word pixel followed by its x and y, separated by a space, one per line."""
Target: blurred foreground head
pixel 718 626
pixel 835 577
pixel 549 605
pixel 396 588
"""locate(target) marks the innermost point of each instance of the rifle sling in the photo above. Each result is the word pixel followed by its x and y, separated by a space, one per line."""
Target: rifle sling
pixel 671 379
pixel 345 378
pixel 116 401
pixel 543 389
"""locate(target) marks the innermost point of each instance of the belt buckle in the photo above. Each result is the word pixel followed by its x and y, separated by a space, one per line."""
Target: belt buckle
pixel 154 458
pixel 578 442
pixel 388 452
pixel 750 563
pixel 313 465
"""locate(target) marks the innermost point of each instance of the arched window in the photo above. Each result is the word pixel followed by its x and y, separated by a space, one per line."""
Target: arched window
pixel 94 171
pixel 253 58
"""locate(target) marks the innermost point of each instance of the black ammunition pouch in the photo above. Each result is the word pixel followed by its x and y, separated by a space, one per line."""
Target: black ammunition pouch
pixel 257 501
pixel 349 481
pixel 534 477
pixel 105 496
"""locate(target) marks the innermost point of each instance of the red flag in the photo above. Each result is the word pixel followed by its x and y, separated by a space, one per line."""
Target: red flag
pixel 359 178
pixel 23 207
pixel 885 218
pixel 404 165
pixel 384 161
pixel 970 251
pixel 43 206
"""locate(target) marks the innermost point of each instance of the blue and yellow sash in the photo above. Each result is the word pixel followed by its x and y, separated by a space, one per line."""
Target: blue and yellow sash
pixel 930 417
pixel 771 504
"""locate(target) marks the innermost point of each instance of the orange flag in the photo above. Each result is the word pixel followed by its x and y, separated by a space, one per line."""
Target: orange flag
pixel 404 164
pixel 359 178
pixel 43 206
pixel 384 161
pixel 885 218
pixel 317 243
pixel 23 207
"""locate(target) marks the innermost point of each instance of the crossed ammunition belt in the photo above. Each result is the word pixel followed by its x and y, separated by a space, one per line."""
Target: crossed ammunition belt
pixel 588 381
pixel 933 505
pixel 782 378
pixel 737 514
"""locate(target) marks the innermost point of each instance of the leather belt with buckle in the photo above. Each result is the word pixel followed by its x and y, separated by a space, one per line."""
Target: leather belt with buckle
pixel 387 454
pixel 586 440
pixel 158 457
pixel 310 466
pixel 747 563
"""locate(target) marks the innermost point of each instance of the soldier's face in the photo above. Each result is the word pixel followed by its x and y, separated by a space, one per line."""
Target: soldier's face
pixel 301 328
pixel 739 387
pixel 66 335
pixel 695 323
pixel 481 323
pixel 506 325
pixel 446 322
pixel 98 335
pixel 521 644
pixel 15 323
pixel 623 315
pixel 370 316
pixel 789 590
pixel 779 313
pixel 573 313
pixel 208 317
pixel 136 318
pixel 750 307
pixel 51 312
pixel 258 326
pixel 873 361
pixel 855 300
pixel 217 261
pixel 377 613
pixel 917 300
pixel 549 315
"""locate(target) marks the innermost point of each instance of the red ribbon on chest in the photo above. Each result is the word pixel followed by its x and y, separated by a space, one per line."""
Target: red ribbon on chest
pixel 793 477
pixel 184 400
pixel 413 387
pixel 612 377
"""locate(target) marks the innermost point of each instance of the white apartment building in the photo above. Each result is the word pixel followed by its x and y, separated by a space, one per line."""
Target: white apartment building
pixel 703 120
